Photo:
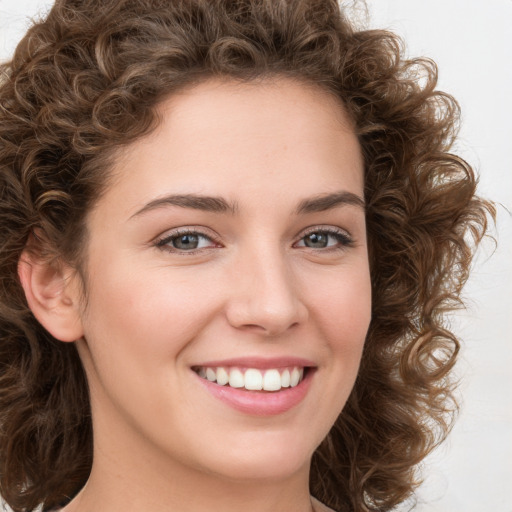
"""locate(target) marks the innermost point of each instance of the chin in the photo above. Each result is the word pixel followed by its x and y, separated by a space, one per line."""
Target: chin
pixel 279 458
pixel 264 470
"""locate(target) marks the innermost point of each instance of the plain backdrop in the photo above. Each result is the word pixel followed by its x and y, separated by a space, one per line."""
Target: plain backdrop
pixel 471 41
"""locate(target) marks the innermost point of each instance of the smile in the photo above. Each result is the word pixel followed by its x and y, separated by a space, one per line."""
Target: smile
pixel 255 385
pixel 253 379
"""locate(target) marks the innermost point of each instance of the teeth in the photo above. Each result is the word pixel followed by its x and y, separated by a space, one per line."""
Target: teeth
pixel 271 380
pixel 222 376
pixel 285 379
pixel 253 379
pixel 294 377
pixel 236 379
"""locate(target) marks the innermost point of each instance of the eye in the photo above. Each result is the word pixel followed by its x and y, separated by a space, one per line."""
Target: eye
pixel 325 239
pixel 185 241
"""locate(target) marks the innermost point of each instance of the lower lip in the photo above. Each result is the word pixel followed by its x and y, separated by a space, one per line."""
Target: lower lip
pixel 260 403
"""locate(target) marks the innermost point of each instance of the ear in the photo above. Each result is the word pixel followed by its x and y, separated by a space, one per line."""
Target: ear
pixel 52 292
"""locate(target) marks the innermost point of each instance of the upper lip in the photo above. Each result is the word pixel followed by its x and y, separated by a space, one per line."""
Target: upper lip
pixel 262 363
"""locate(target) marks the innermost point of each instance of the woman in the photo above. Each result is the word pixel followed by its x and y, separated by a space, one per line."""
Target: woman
pixel 230 231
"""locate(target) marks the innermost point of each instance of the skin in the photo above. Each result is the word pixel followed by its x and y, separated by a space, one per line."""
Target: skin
pixel 252 288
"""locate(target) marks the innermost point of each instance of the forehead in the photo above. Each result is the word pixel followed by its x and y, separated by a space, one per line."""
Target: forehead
pixel 258 98
pixel 280 109
pixel 222 136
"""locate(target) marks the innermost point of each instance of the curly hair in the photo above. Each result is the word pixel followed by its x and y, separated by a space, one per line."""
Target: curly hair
pixel 86 80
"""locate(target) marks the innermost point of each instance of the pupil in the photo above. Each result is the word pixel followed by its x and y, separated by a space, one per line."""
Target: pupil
pixel 316 240
pixel 186 242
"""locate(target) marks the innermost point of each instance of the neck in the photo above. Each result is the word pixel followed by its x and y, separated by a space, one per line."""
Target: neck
pixel 143 478
pixel 228 497
pixel 186 493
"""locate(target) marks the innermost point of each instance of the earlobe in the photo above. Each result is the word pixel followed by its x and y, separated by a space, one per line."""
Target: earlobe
pixel 52 295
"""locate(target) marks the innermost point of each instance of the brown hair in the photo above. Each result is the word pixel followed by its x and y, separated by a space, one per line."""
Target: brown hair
pixel 86 80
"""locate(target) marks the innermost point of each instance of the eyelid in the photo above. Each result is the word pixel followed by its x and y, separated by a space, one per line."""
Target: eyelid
pixel 161 241
pixel 347 239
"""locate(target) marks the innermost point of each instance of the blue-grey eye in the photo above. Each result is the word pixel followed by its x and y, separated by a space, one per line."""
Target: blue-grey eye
pixel 316 240
pixel 185 242
pixel 325 239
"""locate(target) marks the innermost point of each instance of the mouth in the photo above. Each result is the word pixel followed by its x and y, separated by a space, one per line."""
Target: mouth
pixel 253 379
pixel 257 386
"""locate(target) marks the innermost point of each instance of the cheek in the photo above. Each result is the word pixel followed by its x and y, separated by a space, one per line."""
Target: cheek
pixel 343 309
pixel 341 316
pixel 141 317
pixel 140 323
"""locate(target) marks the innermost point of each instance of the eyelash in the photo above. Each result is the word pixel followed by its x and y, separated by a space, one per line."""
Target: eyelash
pixel 163 243
pixel 343 238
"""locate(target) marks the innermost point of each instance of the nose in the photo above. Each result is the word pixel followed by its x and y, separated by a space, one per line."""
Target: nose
pixel 264 295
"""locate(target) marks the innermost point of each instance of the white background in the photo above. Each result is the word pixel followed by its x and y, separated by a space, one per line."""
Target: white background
pixel 471 40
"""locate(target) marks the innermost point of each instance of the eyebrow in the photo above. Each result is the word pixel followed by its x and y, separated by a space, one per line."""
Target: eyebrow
pixel 196 202
pixel 329 201
pixel 220 205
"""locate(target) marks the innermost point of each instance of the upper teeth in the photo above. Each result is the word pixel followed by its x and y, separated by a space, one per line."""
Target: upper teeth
pixel 252 378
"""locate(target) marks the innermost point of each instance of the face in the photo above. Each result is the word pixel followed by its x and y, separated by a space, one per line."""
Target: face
pixel 229 253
